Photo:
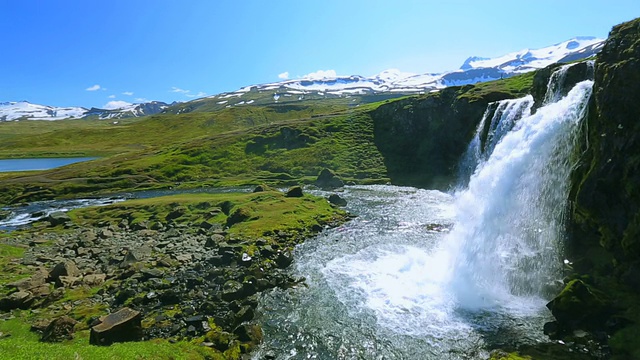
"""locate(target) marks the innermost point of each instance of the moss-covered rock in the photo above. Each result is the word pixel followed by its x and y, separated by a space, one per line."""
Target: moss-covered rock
pixel 579 306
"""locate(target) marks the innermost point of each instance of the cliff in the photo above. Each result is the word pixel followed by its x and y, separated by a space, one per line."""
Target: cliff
pixel 604 224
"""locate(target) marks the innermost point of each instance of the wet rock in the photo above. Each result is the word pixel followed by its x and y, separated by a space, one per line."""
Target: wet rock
pixel 580 306
pixel 295 191
pixel 327 180
pixel 249 333
pixel 335 199
pixel 284 259
pixel 59 330
pixel 121 326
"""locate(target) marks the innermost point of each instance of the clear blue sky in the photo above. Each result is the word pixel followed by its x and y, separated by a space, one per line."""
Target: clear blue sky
pixel 55 52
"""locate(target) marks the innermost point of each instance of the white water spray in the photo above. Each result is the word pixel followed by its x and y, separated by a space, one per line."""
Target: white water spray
pixel 509 223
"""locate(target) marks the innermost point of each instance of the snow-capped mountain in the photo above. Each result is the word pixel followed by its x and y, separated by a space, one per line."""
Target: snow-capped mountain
pixel 326 84
pixel 131 110
pixel 25 110
pixel 473 70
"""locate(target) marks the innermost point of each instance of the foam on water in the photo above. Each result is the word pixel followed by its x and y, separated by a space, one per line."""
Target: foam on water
pixel 392 285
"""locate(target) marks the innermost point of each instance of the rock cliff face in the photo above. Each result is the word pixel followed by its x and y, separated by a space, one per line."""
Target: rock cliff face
pixel 422 139
pixel 604 240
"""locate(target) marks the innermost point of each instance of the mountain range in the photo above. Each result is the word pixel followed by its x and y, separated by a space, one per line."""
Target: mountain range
pixel 387 84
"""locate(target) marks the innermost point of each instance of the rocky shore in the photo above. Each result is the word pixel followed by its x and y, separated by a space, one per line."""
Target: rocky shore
pixel 176 280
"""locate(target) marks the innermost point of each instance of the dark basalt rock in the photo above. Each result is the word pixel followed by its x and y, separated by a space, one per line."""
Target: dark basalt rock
pixel 579 306
pixel 295 191
pixel 121 326
pixel 335 199
pixel 327 180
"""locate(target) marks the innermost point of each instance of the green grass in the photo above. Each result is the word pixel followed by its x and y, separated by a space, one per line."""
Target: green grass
pixel 515 86
pixel 23 344
pixel 11 269
pixel 268 211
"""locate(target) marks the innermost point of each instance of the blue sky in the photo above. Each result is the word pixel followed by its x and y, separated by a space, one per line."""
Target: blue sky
pixel 88 53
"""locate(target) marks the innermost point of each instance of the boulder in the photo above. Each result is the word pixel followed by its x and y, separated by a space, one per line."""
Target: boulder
pixel 121 326
pixel 59 329
pixel 17 300
pixel 580 306
pixel 249 333
pixel 58 218
pixel 295 191
pixel 327 180
pixel 335 199
pixel 94 279
pixel 65 268
pixel 37 279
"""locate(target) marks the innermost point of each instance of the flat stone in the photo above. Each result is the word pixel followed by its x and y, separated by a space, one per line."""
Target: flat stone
pixel 121 326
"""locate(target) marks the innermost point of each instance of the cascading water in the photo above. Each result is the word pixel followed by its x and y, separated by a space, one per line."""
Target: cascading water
pixel 424 274
pixel 497 120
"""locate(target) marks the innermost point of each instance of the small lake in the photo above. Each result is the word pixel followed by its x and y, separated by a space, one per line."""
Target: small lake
pixel 7 165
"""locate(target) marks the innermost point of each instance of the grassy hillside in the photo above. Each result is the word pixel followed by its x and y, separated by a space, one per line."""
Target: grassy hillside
pixel 281 143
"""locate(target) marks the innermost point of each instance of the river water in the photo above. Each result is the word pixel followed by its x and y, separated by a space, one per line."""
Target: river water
pixel 422 274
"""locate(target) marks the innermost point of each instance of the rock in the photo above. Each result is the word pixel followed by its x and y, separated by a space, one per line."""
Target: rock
pixel 335 199
pixel 152 273
pixel 295 191
pixel 214 240
pixel 284 259
pixel 105 233
pixel 69 281
pixel 328 180
pixel 261 188
pixel 232 290
pixel 57 218
pixel 580 306
pixel 175 213
pixel 17 300
pixel 94 279
pixel 59 330
pixel 249 333
pixel 37 279
pixel 238 215
pixel 121 326
pixel 65 268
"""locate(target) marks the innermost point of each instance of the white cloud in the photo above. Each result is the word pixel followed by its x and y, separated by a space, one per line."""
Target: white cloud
pixel 178 90
pixel 117 104
pixel 128 93
pixel 93 88
pixel 284 75
pixel 111 96
pixel 200 94
pixel 141 100
pixel 321 74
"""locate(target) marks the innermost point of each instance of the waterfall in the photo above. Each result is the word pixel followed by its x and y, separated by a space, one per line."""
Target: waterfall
pixel 497 120
pixel 509 222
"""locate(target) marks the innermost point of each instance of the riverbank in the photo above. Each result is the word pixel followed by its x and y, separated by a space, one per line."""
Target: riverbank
pixel 190 264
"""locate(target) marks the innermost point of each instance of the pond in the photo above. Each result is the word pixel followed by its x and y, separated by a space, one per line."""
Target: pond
pixel 8 165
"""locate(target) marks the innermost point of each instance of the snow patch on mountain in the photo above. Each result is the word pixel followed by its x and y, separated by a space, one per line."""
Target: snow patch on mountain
pixel 25 110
